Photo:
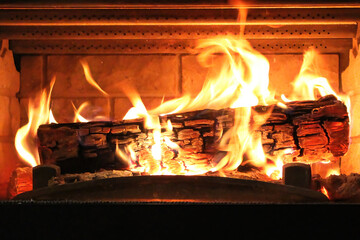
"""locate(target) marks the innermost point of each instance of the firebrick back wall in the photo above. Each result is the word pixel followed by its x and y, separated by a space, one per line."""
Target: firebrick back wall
pixel 156 77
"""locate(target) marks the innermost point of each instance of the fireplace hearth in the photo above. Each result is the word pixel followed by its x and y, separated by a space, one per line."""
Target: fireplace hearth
pixel 89 63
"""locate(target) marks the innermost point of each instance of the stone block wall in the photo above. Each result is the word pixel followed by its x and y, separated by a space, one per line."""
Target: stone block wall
pixel 156 77
pixel 351 85
pixel 9 116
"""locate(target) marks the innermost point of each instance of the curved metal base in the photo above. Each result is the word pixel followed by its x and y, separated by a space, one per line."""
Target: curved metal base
pixel 202 189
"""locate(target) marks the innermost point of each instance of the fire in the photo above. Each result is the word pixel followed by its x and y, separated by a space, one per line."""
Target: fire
pixel 333 172
pixel 325 192
pixel 51 117
pixel 275 169
pixel 240 82
pixel 90 79
pixel 78 117
pixel 25 139
pixel 127 156
pixel 309 85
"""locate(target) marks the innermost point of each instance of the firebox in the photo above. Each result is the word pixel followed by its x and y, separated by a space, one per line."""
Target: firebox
pixel 205 102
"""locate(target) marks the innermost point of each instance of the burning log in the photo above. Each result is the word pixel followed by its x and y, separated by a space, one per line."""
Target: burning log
pixel 312 130
pixel 315 130
pixel 345 188
pixel 20 181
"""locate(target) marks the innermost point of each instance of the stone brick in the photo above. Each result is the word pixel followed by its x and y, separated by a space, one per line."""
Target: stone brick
pixel 32 76
pixel 8 162
pixel 350 161
pixel 5 119
pixel 9 117
pixel 15 115
pixel 10 77
pixel 98 109
pixel 350 77
pixel 193 75
pixel 355 115
pixel 63 110
pixel 122 105
pixel 154 75
pixel 283 69
pixel 24 105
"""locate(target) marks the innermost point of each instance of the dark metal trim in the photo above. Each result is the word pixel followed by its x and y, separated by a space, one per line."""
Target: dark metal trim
pixel 176 188
pixel 153 46
pixel 178 32
pixel 56 31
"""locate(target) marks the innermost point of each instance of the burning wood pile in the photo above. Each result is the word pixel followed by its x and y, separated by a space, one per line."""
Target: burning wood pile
pixel 233 128
pixel 313 130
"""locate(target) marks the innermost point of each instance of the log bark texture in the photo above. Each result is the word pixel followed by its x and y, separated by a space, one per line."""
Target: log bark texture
pixel 312 130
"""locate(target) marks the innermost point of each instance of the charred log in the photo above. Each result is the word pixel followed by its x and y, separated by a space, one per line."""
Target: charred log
pixel 20 181
pixel 312 130
pixel 342 188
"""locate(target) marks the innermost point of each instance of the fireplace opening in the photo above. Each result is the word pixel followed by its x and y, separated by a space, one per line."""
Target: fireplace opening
pixel 180 103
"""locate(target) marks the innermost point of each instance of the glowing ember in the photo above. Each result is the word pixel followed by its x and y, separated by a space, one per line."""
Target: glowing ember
pixel 325 192
pixel 333 172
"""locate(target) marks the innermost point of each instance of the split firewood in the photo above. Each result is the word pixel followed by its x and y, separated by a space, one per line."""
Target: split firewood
pixel 312 131
pixel 83 177
pixel 20 181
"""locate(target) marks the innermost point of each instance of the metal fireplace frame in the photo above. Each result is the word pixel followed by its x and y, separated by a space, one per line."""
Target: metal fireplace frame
pixel 123 28
pixel 126 29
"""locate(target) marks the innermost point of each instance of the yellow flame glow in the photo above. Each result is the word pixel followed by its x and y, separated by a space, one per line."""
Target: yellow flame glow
pixel 78 117
pixel 25 139
pixel 309 85
pixel 90 79
pixel 51 117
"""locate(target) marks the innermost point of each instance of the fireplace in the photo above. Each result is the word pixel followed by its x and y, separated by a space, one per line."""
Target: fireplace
pixel 153 49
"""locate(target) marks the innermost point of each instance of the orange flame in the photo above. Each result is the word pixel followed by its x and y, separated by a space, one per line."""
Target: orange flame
pixel 241 82
pixel 325 192
pixel 78 117
pixel 25 139
pixel 128 156
pixel 332 172
pixel 309 85
pixel 90 79
pixel 51 117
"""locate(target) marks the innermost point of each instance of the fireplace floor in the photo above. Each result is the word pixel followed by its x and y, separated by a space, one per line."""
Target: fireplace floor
pixel 198 189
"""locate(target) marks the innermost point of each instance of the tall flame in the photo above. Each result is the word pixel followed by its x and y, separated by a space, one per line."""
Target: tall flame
pixel 90 79
pixel 241 82
pixel 25 139
pixel 242 79
pixel 309 85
